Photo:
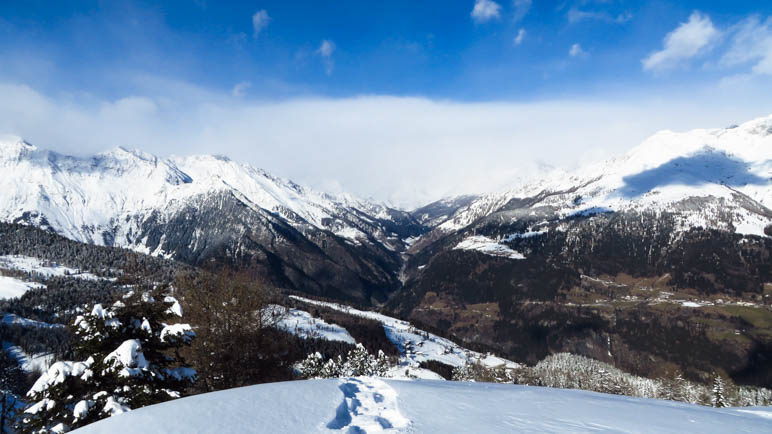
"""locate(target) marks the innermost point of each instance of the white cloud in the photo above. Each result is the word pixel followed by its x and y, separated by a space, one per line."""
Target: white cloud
pixel 520 36
pixel 241 88
pixel 751 43
pixel 325 50
pixel 688 40
pixel 406 150
pixel 576 15
pixel 485 10
pixel 576 51
pixel 260 21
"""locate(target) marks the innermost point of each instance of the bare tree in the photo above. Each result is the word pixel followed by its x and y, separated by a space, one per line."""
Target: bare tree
pixel 237 344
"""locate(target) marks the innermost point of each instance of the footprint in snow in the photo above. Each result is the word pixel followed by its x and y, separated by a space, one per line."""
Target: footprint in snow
pixel 369 406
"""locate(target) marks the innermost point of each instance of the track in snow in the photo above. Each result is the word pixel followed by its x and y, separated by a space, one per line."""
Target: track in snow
pixel 369 406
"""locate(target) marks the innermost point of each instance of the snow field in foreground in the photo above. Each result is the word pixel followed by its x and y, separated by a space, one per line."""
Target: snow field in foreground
pixel 368 405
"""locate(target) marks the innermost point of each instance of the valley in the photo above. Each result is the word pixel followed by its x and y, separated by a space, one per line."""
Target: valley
pixel 656 262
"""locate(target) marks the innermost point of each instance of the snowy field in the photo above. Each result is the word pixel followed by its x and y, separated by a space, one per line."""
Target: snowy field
pixel 369 405
pixel 301 323
pixel 42 267
pixel 488 246
pixel 29 363
pixel 11 287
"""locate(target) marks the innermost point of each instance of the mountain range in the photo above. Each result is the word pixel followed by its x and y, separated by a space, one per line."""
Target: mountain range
pixel 652 260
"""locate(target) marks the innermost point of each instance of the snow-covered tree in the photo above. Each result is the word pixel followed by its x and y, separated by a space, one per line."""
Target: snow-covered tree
pixel 358 362
pixel 132 359
pixel 311 366
pixel 717 398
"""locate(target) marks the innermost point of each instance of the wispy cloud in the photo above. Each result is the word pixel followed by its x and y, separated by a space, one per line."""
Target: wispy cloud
pixel 521 8
pixel 520 36
pixel 241 88
pixel 485 10
pixel 326 49
pixel 576 15
pixel 687 41
pixel 576 51
pixel 260 21
pixel 751 43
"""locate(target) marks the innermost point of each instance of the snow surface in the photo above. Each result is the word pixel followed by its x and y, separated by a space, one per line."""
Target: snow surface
pixel 128 358
pixel 488 246
pixel 10 318
pixel 45 268
pixel 368 405
pixel 303 324
pixel 29 363
pixel 11 287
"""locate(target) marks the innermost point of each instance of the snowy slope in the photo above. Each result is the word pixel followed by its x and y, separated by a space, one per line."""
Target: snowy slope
pixel 731 167
pixel 42 268
pixel 106 198
pixel 416 346
pixel 303 324
pixel 11 287
pixel 369 405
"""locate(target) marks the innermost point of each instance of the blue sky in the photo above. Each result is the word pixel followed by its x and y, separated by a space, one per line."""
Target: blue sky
pixel 172 77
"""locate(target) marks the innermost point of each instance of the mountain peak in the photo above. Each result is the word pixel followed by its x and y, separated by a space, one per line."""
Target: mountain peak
pixel 14 147
pixel 761 126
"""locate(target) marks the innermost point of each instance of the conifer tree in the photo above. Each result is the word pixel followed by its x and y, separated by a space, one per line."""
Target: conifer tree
pixel 132 359
pixel 358 362
pixel 717 393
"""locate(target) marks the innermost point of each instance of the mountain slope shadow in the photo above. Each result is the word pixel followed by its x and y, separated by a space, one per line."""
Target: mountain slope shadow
pixel 704 167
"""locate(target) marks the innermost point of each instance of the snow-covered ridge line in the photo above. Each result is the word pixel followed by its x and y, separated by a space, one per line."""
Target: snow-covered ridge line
pixel 113 192
pixel 728 168
pixel 416 346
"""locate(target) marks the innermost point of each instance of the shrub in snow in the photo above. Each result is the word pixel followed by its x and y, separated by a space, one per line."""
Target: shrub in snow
pixel 476 371
pixel 132 359
pixel 358 362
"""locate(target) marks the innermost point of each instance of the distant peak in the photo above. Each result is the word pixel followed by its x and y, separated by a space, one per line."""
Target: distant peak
pixel 9 140
pixel 761 126
pixel 123 152
pixel 14 147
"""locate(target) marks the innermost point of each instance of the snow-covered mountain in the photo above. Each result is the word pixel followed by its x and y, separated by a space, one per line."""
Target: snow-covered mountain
pixel 583 261
pixel 92 199
pixel 371 405
pixel 199 207
pixel 728 169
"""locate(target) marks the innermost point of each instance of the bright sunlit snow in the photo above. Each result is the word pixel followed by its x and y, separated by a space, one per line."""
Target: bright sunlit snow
pixel 11 287
pixel 488 246
pixel 368 405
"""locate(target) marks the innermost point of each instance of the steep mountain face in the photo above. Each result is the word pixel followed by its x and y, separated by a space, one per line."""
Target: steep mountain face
pixel 203 208
pixel 656 260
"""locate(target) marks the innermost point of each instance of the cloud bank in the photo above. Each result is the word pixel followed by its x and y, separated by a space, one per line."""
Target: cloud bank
pixel 404 150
